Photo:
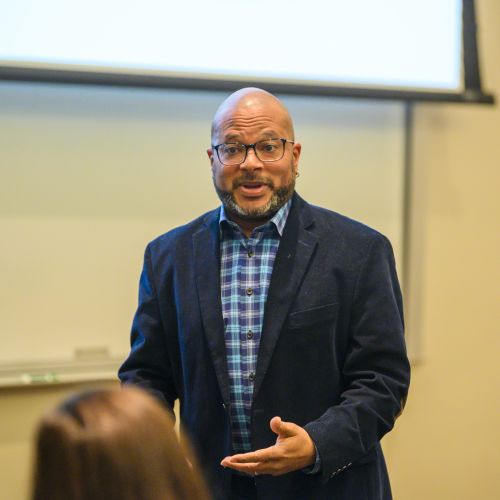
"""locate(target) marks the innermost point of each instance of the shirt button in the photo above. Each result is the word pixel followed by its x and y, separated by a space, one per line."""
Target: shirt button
pixel 250 253
pixel 251 376
pixel 249 335
pixel 249 291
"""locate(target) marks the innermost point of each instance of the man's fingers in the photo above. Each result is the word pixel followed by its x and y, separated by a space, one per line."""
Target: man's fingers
pixel 249 467
pixel 257 468
pixel 253 463
pixel 247 458
pixel 258 456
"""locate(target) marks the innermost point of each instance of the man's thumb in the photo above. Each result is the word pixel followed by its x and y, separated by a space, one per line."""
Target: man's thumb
pixel 281 428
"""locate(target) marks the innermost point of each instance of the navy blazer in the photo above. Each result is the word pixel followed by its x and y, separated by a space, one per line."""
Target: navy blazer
pixel 332 355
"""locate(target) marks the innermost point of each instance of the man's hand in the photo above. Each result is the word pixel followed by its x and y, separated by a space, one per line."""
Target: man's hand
pixel 294 450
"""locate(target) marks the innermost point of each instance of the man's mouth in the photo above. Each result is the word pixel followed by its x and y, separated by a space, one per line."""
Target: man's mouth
pixel 252 188
pixel 252 183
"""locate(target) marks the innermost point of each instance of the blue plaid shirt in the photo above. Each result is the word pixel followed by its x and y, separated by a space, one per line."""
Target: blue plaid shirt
pixel 246 268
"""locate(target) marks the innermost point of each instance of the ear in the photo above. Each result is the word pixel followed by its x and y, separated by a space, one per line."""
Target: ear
pixel 297 148
pixel 210 153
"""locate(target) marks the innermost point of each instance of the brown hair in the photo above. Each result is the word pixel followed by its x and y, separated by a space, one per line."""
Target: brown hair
pixel 113 444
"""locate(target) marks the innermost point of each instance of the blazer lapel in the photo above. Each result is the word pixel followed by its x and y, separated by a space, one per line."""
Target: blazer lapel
pixel 207 274
pixel 294 254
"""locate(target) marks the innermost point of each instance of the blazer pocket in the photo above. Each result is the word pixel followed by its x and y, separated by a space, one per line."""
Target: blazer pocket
pixel 307 317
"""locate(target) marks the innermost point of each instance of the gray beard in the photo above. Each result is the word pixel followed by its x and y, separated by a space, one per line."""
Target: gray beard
pixel 279 197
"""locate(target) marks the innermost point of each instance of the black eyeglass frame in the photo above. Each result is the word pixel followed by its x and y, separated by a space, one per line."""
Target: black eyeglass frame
pixel 252 146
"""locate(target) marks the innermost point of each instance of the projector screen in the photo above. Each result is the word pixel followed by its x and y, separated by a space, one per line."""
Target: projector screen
pixel 389 44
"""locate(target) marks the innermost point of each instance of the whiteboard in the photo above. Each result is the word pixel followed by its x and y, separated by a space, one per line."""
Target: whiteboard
pixel 89 175
pixel 410 44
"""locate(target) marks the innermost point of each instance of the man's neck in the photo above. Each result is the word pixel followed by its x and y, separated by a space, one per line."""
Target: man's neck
pixel 247 225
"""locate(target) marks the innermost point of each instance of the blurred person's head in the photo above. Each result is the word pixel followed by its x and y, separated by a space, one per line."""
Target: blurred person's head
pixel 113 444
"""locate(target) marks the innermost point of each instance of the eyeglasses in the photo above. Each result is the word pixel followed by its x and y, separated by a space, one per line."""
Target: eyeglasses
pixel 235 153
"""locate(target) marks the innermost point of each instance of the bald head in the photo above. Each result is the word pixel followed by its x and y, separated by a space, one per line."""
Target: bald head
pixel 248 101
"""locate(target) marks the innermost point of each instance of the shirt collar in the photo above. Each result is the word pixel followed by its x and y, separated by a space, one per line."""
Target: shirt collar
pixel 278 219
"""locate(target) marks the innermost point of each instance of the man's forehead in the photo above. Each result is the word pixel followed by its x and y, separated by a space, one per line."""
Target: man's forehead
pixel 231 134
pixel 265 121
pixel 251 109
pixel 259 128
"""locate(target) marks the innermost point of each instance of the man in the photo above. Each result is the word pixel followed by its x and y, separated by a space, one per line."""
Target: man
pixel 278 325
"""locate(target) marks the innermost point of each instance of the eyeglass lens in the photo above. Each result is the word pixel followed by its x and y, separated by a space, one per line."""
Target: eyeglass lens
pixel 235 153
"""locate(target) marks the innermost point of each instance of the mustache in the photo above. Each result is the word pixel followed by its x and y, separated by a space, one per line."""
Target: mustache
pixel 252 178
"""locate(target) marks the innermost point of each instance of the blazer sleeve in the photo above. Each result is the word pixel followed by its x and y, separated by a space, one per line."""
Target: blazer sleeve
pixel 376 370
pixel 148 363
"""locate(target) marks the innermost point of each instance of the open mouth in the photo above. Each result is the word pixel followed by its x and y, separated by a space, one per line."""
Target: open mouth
pixel 252 188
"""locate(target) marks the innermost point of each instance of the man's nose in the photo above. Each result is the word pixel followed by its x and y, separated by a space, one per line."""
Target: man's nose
pixel 251 161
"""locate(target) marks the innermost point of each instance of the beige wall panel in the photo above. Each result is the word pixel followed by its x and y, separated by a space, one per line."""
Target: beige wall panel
pixel 445 446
